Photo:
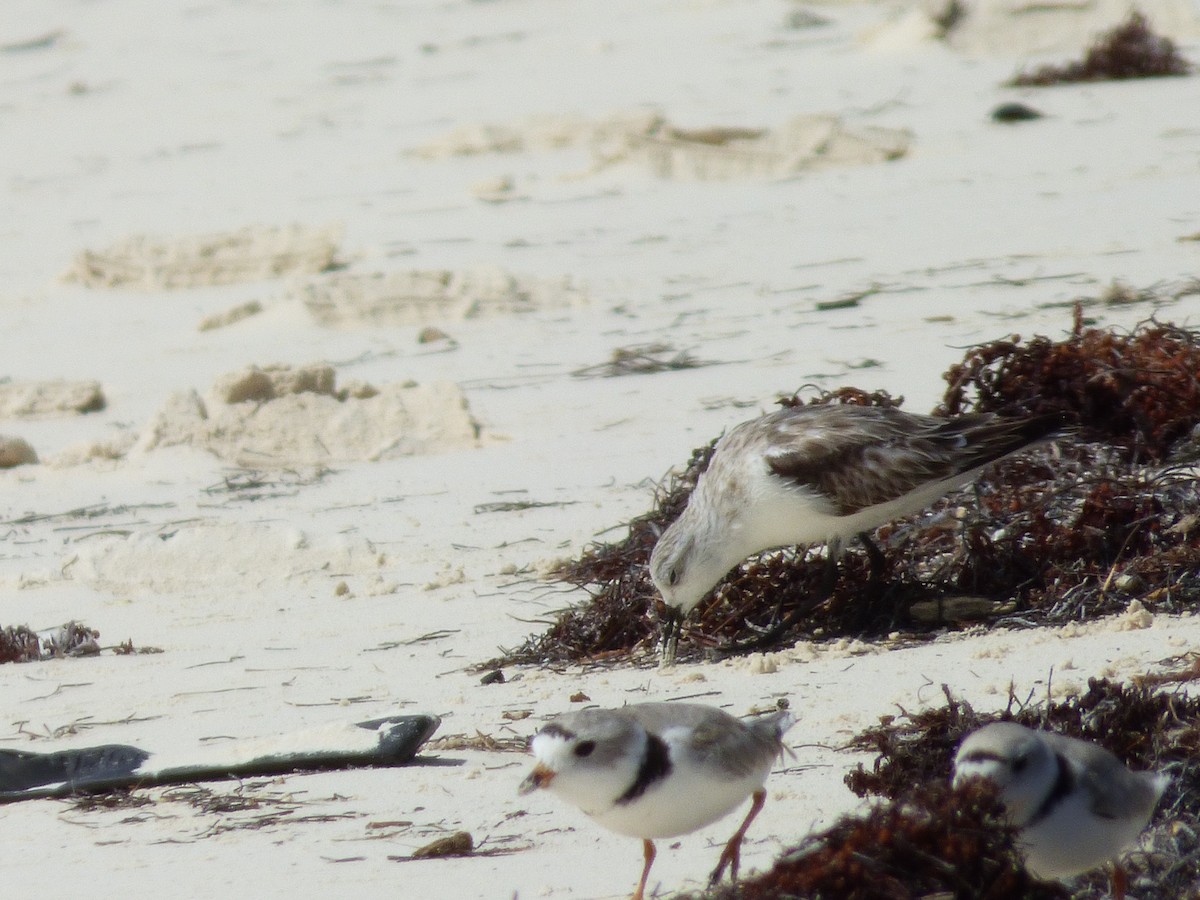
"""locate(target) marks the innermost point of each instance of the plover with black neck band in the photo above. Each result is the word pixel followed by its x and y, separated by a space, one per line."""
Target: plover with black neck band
pixel 659 770
pixel 1077 806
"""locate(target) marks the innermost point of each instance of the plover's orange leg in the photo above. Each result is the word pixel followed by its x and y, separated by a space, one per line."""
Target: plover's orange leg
pixel 1120 881
pixel 648 853
pixel 732 852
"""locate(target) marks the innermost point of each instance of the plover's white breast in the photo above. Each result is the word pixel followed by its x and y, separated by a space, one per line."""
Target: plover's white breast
pixel 1073 839
pixel 695 793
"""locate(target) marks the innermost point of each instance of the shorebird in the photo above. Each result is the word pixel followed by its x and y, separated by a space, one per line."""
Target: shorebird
pixel 1077 806
pixel 659 770
pixel 819 474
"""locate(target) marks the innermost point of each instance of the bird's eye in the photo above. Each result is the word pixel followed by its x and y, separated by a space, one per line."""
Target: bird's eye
pixel 1019 764
pixel 673 577
pixel 585 748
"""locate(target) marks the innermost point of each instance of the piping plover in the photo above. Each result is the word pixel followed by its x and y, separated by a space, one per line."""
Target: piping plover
pixel 812 474
pixel 1077 806
pixel 658 770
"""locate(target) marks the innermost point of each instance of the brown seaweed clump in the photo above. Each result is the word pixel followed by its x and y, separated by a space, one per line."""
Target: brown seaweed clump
pixel 936 843
pixel 1131 50
pixel 1138 391
pixel 1147 728
pixel 922 839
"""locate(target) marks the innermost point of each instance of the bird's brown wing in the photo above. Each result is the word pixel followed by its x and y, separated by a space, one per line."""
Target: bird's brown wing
pixel 858 457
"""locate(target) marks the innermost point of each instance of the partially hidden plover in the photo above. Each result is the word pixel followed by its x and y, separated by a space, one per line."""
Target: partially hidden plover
pixel 1077 806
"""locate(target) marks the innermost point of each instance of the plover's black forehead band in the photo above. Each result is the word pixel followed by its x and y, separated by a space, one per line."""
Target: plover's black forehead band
pixel 556 730
pixel 985 756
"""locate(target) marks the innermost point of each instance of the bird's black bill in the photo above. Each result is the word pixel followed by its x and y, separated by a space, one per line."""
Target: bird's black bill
pixel 672 622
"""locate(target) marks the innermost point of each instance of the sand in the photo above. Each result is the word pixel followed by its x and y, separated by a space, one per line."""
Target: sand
pixel 457 206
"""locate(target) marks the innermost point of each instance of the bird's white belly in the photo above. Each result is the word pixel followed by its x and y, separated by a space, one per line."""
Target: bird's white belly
pixel 684 801
pixel 792 516
pixel 1073 840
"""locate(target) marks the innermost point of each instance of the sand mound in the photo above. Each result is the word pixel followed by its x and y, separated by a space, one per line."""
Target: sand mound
pixel 284 416
pixel 1021 28
pixel 230 316
pixel 248 254
pixel 15 451
pixel 208 557
pixel 421 296
pixel 802 144
pixel 539 133
pixel 25 399
pixel 648 139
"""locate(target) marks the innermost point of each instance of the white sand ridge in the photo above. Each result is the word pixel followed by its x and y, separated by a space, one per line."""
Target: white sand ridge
pixel 252 253
pixel 418 297
pixel 35 399
pixel 286 416
pixel 208 556
pixel 649 140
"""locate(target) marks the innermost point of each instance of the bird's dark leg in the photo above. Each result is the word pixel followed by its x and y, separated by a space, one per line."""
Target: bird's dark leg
pixel 672 624
pixel 731 855
pixel 771 636
pixel 648 853
pixel 875 555
pixel 833 552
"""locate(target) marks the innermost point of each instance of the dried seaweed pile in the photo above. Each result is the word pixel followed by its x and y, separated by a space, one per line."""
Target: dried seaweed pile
pixel 1138 391
pixel 1106 515
pixel 21 644
pixel 642 359
pixel 937 843
pixel 1147 728
pixel 1064 539
pixel 1131 50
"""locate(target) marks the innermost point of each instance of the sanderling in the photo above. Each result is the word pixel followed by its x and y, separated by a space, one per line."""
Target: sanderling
pixel 658 770
pixel 1077 806
pixel 812 474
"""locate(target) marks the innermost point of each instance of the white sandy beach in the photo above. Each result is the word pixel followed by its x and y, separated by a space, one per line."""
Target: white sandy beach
pixel 310 558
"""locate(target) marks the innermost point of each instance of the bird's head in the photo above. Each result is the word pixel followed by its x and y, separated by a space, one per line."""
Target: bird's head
pixel 684 566
pixel 1015 759
pixel 687 563
pixel 588 757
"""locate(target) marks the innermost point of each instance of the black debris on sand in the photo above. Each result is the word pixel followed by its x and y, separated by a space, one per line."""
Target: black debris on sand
pixel 20 643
